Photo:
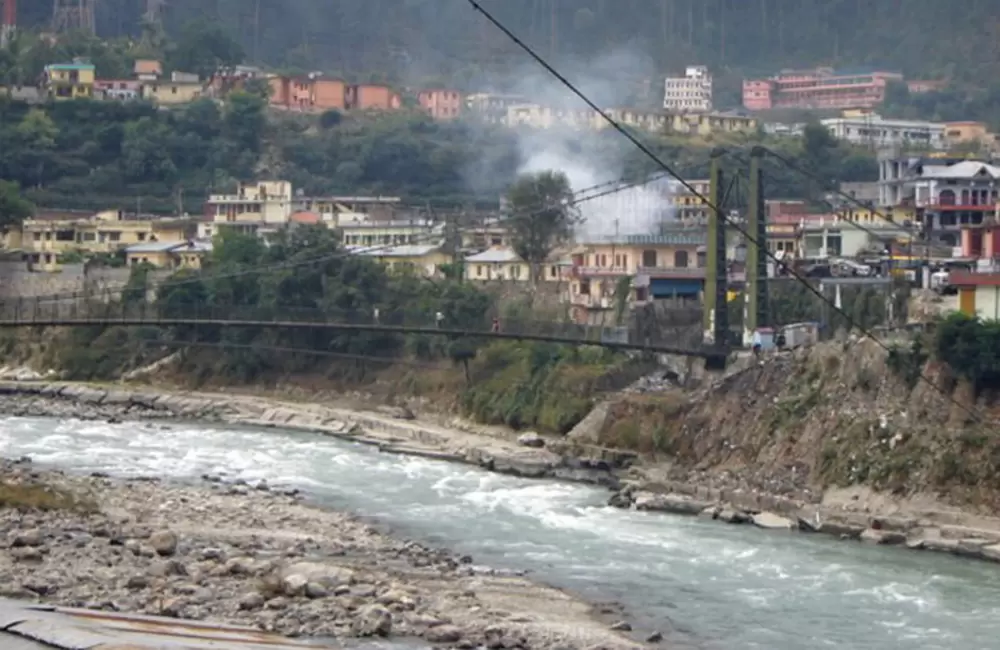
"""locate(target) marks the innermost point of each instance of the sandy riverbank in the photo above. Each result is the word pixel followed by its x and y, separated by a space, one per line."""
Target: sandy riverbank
pixel 855 514
pixel 259 555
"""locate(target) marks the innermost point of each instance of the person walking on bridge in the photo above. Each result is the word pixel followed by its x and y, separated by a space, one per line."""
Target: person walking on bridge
pixel 496 324
pixel 439 319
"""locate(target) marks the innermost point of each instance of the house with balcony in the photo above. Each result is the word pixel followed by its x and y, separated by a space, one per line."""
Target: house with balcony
pixel 45 242
pixel 820 88
pixel 361 230
pixel 69 80
pixel 171 255
pixel 705 124
pixel 945 193
pixel 831 235
pixel 670 265
pixel 690 207
pixel 256 208
pixel 979 286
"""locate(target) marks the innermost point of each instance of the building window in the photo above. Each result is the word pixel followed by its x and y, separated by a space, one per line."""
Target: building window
pixel 649 259
pixel 681 259
pixel 584 287
pixel 479 270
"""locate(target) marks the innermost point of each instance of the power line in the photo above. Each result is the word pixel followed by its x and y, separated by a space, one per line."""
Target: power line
pixel 762 246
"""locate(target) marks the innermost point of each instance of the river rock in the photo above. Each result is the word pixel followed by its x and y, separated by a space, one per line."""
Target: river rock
pixel 164 542
pixel 443 634
pixel 29 537
pixel 883 537
pixel 372 620
pixel 530 439
pixel 732 516
pixel 771 521
pixel 327 575
pixel 673 503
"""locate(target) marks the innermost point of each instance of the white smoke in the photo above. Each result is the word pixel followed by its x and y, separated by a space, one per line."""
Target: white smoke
pixel 587 158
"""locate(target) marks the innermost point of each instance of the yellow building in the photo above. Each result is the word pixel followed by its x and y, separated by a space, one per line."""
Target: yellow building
pixel 956 133
pixel 44 241
pixel 783 238
pixel 69 80
pixel 656 266
pixel 703 124
pixel 488 234
pixel 253 205
pixel 690 207
pixel 498 263
pixel 422 260
pixel 169 255
pixel 182 88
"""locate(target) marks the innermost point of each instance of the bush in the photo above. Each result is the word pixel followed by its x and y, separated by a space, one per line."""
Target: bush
pixel 971 347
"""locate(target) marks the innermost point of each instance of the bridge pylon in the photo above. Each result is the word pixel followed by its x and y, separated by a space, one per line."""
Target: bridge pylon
pixel 756 299
pixel 716 314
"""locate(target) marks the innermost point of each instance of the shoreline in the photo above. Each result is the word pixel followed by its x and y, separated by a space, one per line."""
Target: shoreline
pixel 851 514
pixel 270 558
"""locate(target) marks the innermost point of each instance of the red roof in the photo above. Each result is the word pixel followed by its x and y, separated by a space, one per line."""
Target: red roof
pixel 305 216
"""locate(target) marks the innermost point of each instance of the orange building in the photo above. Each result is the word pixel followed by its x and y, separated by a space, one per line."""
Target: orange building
pixel 441 104
pixel 308 94
pixel 372 97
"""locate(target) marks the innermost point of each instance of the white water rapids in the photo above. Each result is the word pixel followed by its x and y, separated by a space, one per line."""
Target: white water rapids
pixel 704 584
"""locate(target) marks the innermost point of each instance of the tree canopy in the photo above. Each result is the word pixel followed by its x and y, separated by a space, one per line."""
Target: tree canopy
pixel 542 216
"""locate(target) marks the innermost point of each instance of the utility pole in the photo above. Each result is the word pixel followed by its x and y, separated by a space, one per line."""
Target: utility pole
pixel 70 15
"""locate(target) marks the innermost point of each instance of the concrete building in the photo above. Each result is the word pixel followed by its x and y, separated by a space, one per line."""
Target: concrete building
pixel 169 255
pixel 492 107
pixel 825 236
pixel 118 89
pixel 69 80
pixel 977 133
pixel 945 193
pixel 821 88
pixel 372 97
pixel 309 94
pixel 874 131
pixel 424 260
pixel 47 241
pixel 441 104
pixel 361 230
pixel 183 88
pixel 497 264
pixel 263 203
pixel 147 70
pixel 704 124
pixel 691 93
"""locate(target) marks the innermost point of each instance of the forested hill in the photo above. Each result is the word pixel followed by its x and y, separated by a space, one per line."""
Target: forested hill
pixel 446 39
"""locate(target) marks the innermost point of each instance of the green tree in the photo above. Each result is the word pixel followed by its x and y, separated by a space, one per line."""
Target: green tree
pixel 36 135
pixel 13 208
pixel 542 216
pixel 202 48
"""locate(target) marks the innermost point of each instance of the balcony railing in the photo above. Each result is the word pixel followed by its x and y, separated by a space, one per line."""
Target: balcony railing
pixel 586 271
pixel 673 271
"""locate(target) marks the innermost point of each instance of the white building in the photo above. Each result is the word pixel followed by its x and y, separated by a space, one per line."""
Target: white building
pixel 875 131
pixel 691 93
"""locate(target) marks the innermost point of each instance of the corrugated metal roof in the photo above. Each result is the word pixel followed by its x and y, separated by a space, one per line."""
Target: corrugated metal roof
pixel 24 626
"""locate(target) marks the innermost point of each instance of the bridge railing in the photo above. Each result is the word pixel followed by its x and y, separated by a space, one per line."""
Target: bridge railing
pixel 646 331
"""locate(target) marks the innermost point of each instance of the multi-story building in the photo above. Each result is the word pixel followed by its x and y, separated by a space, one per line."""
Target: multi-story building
pixel 832 235
pixel 120 89
pixel 424 260
pixel 263 204
pixel 336 209
pixel 372 97
pixel 69 80
pixel 691 93
pixel 492 108
pixel 945 193
pixel 311 93
pixel 690 207
pixel 874 131
pixel 45 242
pixel 960 133
pixel 183 88
pixel 822 88
pixel 441 104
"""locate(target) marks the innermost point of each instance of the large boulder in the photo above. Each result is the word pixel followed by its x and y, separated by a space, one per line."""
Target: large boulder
pixel 330 576
pixel 673 503
pixel 771 521
pixel 164 542
pixel 372 620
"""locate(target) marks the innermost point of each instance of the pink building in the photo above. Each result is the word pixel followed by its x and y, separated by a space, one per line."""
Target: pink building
pixel 441 104
pixel 822 88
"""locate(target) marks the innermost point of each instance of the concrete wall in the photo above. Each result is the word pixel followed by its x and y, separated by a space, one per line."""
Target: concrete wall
pixel 16 281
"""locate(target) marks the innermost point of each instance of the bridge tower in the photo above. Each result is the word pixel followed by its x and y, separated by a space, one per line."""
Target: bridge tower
pixel 756 291
pixel 716 315
pixel 69 15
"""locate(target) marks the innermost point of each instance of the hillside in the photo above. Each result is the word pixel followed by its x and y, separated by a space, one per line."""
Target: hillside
pixel 835 415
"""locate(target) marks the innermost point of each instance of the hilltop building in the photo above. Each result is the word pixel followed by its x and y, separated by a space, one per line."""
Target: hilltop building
pixel 820 88
pixel 691 93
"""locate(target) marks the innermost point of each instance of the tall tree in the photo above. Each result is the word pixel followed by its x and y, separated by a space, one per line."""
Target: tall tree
pixel 542 216
pixel 13 208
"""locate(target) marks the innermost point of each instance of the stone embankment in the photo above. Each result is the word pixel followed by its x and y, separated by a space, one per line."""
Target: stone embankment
pixel 257 555
pixel 846 514
pixel 391 429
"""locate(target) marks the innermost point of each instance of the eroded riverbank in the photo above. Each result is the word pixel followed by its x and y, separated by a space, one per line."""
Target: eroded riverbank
pixel 258 555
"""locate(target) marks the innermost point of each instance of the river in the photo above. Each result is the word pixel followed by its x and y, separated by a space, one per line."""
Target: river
pixel 703 584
